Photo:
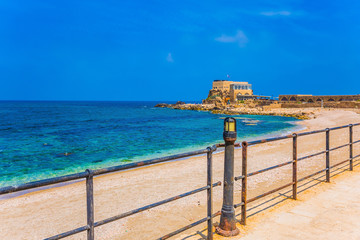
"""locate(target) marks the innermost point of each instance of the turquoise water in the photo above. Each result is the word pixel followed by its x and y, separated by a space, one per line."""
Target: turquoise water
pixel 35 136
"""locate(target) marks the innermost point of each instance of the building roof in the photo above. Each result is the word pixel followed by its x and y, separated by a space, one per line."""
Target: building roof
pixel 234 83
pixel 222 81
pixel 230 81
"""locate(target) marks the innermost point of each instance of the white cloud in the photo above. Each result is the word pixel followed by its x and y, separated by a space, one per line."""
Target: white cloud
pixel 169 58
pixel 278 13
pixel 240 38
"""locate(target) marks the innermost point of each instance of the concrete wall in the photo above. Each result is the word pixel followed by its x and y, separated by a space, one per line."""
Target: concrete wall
pixel 314 99
pixel 326 105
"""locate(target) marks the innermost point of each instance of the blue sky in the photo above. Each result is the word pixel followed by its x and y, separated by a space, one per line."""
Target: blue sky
pixel 172 50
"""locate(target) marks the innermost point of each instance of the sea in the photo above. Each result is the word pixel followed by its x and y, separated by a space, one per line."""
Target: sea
pixel 43 139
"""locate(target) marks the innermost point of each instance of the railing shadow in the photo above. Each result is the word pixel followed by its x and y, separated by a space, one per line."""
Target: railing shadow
pixel 287 195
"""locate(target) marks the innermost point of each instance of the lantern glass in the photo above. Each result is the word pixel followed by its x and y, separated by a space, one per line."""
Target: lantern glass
pixel 230 125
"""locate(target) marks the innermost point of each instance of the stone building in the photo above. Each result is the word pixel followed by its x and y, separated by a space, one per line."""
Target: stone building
pixel 222 85
pixel 235 91
pixel 313 99
pixel 241 91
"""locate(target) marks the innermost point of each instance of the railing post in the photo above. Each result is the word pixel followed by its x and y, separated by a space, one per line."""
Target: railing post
pixel 327 155
pixel 244 183
pixel 227 226
pixel 351 146
pixel 209 192
pixel 90 204
pixel 294 166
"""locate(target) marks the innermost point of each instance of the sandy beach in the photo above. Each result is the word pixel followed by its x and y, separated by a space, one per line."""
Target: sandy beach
pixel 45 213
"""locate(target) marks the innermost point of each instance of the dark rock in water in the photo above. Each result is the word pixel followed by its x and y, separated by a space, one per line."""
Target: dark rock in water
pixel 162 105
pixel 64 154
pixel 166 105
pixel 179 103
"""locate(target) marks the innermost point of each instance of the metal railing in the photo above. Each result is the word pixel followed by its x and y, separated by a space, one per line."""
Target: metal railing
pixel 89 174
pixel 294 161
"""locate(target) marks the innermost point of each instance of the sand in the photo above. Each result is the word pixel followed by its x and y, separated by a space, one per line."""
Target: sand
pixel 44 213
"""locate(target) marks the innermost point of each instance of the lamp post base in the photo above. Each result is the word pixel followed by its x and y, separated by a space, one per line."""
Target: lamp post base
pixel 227 226
pixel 226 233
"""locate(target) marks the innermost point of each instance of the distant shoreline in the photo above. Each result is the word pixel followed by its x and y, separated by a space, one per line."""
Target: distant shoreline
pixel 298 113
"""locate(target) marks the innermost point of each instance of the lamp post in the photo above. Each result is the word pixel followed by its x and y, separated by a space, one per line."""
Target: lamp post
pixel 227 226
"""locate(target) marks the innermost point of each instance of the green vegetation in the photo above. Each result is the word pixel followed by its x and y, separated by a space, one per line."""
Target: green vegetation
pixel 213 96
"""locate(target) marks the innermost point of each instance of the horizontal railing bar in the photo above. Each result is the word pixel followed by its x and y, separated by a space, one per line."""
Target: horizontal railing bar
pixel 311 132
pixel 45 182
pixel 71 177
pixel 340 127
pixel 335 148
pixel 189 226
pixel 238 205
pixel 356 142
pixel 335 165
pixel 265 170
pixel 237 144
pixel 238 178
pixel 269 140
pixel 269 192
pixel 270 168
pixel 313 174
pixel 129 213
pixel 220 145
pixel 324 130
pixel 223 145
pixel 312 155
pixel 69 233
pixel 148 162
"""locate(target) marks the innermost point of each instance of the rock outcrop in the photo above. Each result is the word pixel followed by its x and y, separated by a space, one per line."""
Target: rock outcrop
pixel 242 109
pixel 216 97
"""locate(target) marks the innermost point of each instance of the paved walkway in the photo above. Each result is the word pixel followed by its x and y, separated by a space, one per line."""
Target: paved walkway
pixel 327 211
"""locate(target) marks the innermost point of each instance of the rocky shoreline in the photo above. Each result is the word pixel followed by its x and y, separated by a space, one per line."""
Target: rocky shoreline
pixel 297 113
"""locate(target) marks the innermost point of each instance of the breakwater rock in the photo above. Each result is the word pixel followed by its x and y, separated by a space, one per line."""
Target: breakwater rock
pixel 302 114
